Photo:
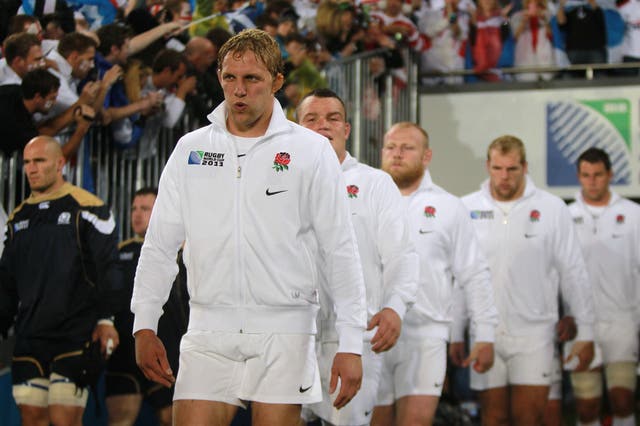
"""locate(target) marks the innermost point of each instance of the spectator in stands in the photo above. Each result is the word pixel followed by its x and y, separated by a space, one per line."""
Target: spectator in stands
pixel 52 29
pixel 22 53
pixel 398 25
pixel 120 112
pixel 448 29
pixel 630 12
pixel 336 23
pixel 532 31
pixel 75 60
pixel 287 25
pixel 301 75
pixel 201 54
pixel 37 94
pixel 267 23
pixel 491 27
pixel 206 8
pixel 583 25
pixel 126 386
pixel 168 73
pixel 58 280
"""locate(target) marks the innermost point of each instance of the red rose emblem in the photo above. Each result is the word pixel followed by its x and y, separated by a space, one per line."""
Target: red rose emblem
pixel 534 216
pixel 352 191
pixel 430 211
pixel 281 162
pixel 620 219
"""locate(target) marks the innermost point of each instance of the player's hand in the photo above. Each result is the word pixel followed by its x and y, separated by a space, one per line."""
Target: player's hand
pixel 566 329
pixel 482 354
pixel 456 353
pixel 584 351
pixel 89 93
pixel 151 357
pixel 389 325
pixel 347 367
pixel 108 336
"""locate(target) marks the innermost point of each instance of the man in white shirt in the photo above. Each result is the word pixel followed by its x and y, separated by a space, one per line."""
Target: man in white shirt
pixel 413 372
pixel 259 202
pixel 389 261
pixel 609 233
pixel 531 247
pixel 22 53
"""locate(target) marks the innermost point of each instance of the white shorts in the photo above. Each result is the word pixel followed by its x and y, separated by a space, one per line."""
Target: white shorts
pixel 616 341
pixel 413 368
pixel 555 391
pixel 238 367
pixel 358 411
pixel 519 360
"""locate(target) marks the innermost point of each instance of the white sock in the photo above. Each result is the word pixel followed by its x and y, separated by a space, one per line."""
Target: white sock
pixel 593 423
pixel 624 421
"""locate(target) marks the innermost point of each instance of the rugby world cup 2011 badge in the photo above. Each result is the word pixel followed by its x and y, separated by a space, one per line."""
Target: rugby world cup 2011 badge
pixel 574 126
pixel 204 158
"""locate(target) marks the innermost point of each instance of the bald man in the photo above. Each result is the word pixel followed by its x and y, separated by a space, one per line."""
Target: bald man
pixel 58 274
pixel 201 54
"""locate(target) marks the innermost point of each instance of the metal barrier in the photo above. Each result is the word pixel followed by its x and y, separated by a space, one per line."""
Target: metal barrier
pixel 381 98
pixel 117 173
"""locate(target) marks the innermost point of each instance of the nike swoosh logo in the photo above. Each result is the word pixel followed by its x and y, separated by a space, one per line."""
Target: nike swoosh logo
pixel 616 235
pixel 366 413
pixel 303 390
pixel 270 193
pixel 546 374
pixel 530 235
pixel 425 232
pixel 437 385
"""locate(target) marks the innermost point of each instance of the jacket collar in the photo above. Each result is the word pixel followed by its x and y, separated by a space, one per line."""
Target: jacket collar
pixel 615 197
pixel 349 162
pixel 426 184
pixel 279 122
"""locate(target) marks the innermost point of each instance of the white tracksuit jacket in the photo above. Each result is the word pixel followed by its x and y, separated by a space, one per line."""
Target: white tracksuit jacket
pixel 445 240
pixel 389 260
pixel 611 248
pixel 253 234
pixel 523 249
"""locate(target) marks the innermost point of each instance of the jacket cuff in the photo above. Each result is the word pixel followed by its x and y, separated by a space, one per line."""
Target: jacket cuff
pixel 146 318
pixel 350 340
pixel 457 331
pixel 395 302
pixel 585 332
pixel 485 333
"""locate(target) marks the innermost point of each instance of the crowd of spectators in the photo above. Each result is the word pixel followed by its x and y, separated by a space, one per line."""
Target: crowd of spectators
pixel 135 66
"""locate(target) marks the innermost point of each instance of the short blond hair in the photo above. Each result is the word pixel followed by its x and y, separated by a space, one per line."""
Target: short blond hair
pixel 257 41
pixel 410 125
pixel 506 144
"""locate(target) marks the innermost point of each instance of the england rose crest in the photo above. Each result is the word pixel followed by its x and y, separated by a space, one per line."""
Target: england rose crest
pixel 534 216
pixel 430 211
pixel 352 191
pixel 620 219
pixel 281 162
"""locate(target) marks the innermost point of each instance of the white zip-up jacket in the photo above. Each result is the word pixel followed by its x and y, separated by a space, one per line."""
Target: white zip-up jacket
pixel 253 234
pixel 523 249
pixel 611 248
pixel 389 260
pixel 444 238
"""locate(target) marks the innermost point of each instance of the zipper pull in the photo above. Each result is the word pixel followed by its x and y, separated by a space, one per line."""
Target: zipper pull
pixel 239 173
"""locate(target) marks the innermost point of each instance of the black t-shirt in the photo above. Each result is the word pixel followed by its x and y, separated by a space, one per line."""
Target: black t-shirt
pixel 16 123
